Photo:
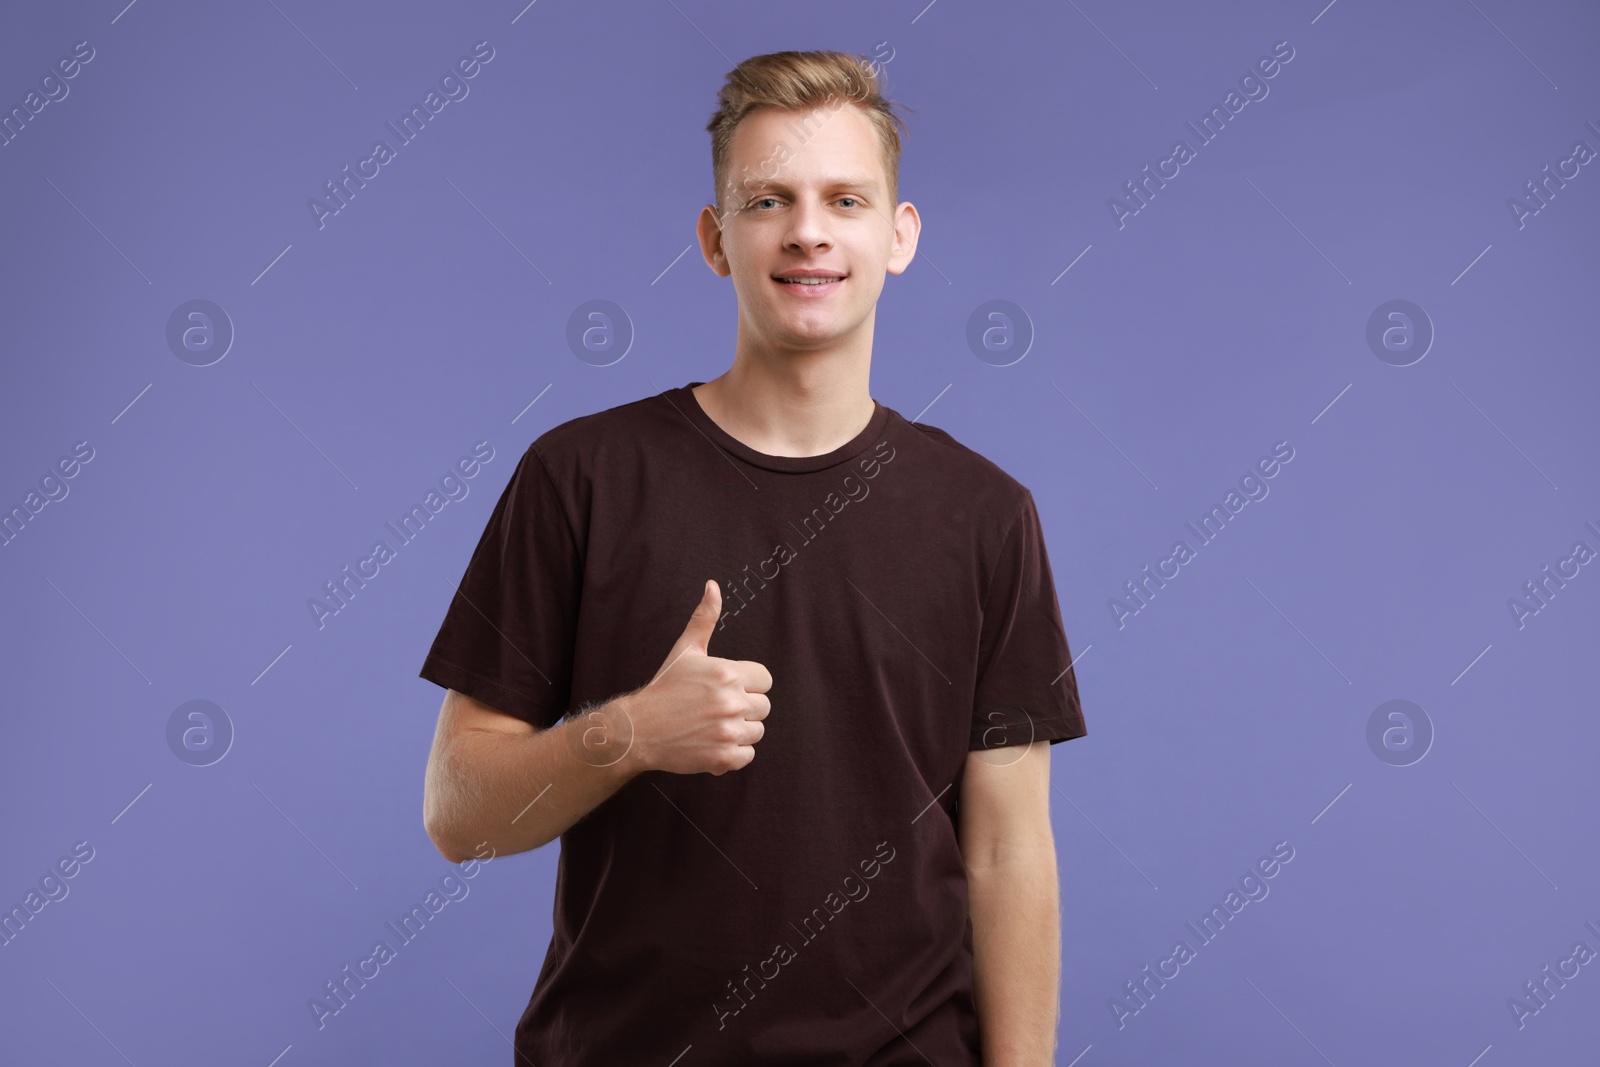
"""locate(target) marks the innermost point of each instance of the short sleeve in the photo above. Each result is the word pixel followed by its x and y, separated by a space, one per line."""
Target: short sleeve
pixel 1026 689
pixel 507 638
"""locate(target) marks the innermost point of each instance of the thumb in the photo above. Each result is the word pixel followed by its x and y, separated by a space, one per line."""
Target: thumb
pixel 697 633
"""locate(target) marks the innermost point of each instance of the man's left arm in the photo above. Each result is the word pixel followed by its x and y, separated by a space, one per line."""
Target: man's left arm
pixel 1003 824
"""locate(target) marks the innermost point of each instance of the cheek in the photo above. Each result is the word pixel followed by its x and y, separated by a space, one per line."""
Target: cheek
pixel 866 284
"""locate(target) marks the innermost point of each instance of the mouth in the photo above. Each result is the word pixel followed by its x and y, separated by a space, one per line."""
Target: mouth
pixel 810 286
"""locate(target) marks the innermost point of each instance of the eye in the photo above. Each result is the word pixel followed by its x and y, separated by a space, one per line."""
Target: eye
pixel 850 198
pixel 763 200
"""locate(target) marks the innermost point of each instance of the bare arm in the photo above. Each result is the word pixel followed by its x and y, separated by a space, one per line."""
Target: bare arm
pixel 496 778
pixel 1013 897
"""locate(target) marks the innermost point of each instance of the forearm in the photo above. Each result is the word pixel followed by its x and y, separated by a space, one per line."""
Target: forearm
pixel 518 792
pixel 1016 949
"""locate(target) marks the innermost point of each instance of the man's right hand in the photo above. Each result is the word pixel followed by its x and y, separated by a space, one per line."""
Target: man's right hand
pixel 699 713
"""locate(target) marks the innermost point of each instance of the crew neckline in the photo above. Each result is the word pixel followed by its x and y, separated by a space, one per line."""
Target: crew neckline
pixel 689 405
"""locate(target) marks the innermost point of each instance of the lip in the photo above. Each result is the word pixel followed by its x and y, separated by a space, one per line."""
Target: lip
pixel 809 292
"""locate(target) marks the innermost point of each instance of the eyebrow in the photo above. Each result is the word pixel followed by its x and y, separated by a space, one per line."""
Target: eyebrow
pixel 828 183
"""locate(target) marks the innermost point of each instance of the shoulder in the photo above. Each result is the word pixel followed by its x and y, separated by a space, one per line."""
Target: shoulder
pixel 965 470
pixel 578 444
pixel 581 431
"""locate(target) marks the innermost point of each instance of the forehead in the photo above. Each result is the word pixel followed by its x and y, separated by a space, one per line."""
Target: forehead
pixel 805 147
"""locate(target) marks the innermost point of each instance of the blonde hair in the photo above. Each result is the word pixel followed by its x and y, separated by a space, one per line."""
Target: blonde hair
pixel 802 81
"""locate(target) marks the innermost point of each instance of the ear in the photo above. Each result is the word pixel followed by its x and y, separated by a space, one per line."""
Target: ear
pixel 709 231
pixel 907 228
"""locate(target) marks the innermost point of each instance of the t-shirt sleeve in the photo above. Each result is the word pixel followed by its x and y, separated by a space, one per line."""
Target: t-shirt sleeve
pixel 1026 690
pixel 507 638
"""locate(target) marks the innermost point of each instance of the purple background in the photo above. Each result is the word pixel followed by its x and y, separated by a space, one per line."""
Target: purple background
pixel 1229 314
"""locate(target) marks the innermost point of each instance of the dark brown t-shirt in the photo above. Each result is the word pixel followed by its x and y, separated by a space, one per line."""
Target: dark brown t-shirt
pixel 810 908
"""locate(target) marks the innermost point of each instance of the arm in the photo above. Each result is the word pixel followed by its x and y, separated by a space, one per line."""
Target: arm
pixel 1009 852
pixel 494 777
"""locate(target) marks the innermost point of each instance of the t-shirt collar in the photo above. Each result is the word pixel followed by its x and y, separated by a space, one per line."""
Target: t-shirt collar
pixel 683 399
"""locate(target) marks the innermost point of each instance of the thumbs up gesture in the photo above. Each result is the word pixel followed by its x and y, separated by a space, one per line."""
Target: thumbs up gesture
pixel 699 713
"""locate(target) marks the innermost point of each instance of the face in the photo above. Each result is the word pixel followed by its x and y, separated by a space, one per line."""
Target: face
pixel 807 191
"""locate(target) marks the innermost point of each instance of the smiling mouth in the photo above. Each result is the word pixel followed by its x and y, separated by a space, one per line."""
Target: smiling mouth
pixel 811 281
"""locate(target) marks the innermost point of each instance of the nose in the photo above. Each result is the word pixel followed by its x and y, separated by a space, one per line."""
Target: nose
pixel 808 228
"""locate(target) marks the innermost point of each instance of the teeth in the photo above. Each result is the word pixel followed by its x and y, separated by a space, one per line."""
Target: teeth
pixel 809 281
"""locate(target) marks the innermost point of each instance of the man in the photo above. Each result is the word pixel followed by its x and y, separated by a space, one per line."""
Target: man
pixel 806 820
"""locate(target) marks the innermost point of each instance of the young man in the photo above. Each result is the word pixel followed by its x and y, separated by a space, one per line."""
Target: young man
pixel 806 820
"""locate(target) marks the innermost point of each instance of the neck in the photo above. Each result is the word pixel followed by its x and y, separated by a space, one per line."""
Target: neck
pixel 805 405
